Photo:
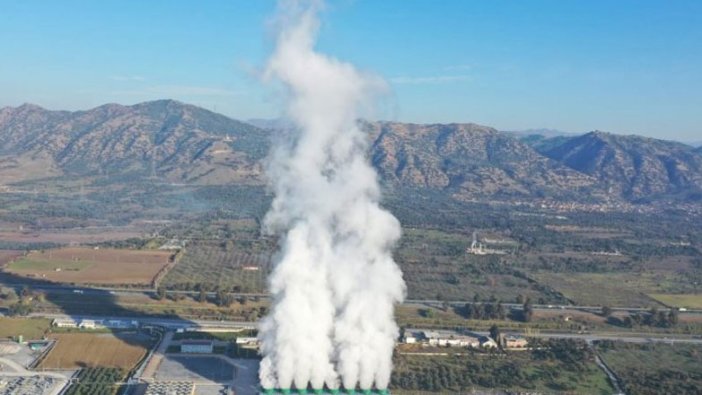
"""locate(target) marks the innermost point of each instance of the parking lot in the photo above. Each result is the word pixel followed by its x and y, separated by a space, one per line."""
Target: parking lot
pixel 212 375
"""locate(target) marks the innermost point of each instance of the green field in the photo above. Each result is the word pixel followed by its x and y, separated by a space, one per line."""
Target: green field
pixel 690 301
pixel 520 372
pixel 676 369
pixel 25 264
pixel 218 266
pixel 96 380
pixel 435 265
pixel 606 289
pixel 29 328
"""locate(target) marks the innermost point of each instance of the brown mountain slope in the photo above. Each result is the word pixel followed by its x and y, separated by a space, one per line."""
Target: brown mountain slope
pixel 181 142
pixel 470 161
pixel 637 168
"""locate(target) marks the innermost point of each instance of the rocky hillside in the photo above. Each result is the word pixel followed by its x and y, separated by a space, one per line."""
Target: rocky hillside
pixel 470 161
pixel 181 142
pixel 637 168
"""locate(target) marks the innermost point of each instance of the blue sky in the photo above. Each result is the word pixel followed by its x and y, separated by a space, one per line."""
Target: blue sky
pixel 627 66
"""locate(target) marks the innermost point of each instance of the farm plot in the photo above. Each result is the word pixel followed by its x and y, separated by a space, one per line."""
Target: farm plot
pixel 212 266
pixel 90 266
pixel 96 381
pixel 690 301
pixel 435 265
pixel 7 256
pixel 68 236
pixel 29 328
pixel 610 289
pixel 80 350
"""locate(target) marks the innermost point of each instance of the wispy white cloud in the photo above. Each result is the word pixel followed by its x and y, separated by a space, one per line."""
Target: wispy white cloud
pixel 459 67
pixel 127 78
pixel 179 90
pixel 432 79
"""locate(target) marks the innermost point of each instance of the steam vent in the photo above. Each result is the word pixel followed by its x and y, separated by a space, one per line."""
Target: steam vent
pixel 325 391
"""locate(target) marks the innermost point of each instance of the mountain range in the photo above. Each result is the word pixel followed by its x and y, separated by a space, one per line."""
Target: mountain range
pixel 182 143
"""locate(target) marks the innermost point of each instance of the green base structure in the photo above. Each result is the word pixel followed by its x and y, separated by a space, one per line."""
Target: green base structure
pixel 325 391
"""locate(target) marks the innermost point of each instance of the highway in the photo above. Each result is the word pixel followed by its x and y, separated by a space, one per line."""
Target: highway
pixel 517 306
pixel 103 291
pixel 170 323
pixel 175 323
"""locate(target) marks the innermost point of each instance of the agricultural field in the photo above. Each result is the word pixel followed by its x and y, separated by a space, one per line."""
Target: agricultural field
pixel 690 301
pixel 101 381
pixel 7 256
pixel 70 236
pixel 606 289
pixel 676 369
pixel 569 368
pixel 222 266
pixel 137 305
pixel 79 350
pixel 29 328
pixel 435 265
pixel 79 265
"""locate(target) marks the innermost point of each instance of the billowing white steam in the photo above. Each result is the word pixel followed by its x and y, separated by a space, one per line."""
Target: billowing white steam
pixel 335 283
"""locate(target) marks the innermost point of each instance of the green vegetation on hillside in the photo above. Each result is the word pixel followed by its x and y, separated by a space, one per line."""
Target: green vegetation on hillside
pixel 656 368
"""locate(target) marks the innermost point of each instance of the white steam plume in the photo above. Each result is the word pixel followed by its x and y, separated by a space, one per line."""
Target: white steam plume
pixel 335 283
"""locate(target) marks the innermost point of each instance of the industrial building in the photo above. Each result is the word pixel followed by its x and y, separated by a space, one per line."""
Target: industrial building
pixel 65 323
pixel 444 338
pixel 512 341
pixel 247 341
pixel 94 324
pixel 197 346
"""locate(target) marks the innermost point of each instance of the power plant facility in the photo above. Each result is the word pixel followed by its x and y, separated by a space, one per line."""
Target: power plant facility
pixel 324 391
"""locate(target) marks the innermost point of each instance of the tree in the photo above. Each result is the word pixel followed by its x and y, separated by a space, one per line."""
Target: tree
pixel 519 299
pixel 673 317
pixel 606 311
pixel 628 322
pixel 637 318
pixel 224 299
pixel 202 296
pixel 500 311
pixel 160 293
pixel 445 305
pixel 495 333
pixel 9 294
pixel 527 310
pixel 20 308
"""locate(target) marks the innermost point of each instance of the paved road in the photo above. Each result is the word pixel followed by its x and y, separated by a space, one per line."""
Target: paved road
pixel 597 309
pixel 156 358
pixel 170 323
pixel 106 291
pixel 624 337
pixel 175 323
